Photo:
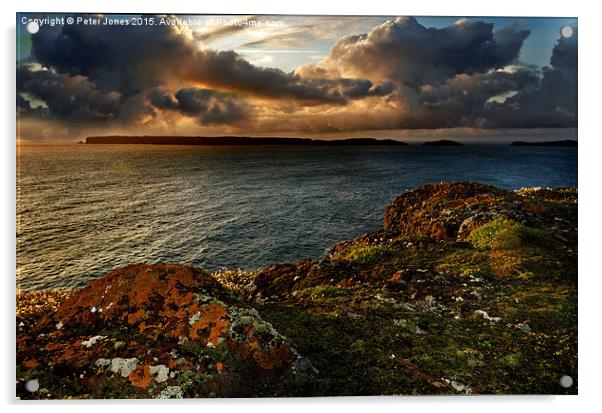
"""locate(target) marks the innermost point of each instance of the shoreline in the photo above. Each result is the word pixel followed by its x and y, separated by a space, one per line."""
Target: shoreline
pixel 254 271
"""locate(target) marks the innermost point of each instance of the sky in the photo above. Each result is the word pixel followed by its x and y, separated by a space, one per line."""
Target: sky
pixel 317 76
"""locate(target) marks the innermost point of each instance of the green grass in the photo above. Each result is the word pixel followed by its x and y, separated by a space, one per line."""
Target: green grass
pixel 505 233
pixel 367 254
pixel 464 263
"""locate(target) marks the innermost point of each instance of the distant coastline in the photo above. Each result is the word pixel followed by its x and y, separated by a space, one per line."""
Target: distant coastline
pixel 234 140
pixel 292 141
pixel 442 142
pixel 566 142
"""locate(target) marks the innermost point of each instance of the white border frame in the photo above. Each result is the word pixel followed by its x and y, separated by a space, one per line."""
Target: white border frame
pixel 589 175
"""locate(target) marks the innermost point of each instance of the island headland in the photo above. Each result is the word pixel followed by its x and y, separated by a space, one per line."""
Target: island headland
pixel 442 142
pixel 234 140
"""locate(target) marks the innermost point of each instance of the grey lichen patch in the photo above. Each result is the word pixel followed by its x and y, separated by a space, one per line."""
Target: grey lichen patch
pixel 203 298
pixel 243 319
pixel 160 373
pixel 459 387
pixel 102 362
pixel 120 365
pixel 171 392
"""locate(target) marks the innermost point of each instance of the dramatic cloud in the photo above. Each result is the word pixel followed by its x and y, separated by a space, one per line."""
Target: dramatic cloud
pixel 208 106
pixel 554 102
pixel 404 51
pixel 131 59
pixel 229 71
pixel 470 100
pixel 127 59
pixel 398 75
pixel 464 75
pixel 46 93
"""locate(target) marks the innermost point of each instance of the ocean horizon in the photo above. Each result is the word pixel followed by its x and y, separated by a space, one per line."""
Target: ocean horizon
pixel 84 210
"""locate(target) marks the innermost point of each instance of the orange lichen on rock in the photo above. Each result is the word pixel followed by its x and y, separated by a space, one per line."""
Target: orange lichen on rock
pixel 346 283
pixel 68 352
pixel 219 366
pixel 274 357
pixel 144 296
pixel 140 316
pixel 141 377
pixel 136 317
pixel 428 210
pixel 277 356
pixel 213 319
pixel 138 286
pixel 31 363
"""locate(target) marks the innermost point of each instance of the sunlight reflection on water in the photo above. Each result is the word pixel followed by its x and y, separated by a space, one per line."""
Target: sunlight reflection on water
pixel 84 210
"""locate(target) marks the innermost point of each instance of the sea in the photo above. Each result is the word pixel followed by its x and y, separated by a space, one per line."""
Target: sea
pixel 83 210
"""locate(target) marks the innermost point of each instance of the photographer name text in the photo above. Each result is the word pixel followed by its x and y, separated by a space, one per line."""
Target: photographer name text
pixel 152 21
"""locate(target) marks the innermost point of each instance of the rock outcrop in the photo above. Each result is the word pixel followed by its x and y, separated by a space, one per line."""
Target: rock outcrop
pixel 157 326
pixel 450 211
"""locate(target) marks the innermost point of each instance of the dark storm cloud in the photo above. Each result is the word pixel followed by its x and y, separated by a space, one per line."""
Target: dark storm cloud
pixel 464 75
pixel 65 97
pixel 399 75
pixel 554 102
pixel 161 100
pixel 467 100
pixel 477 89
pixel 23 105
pixel 226 69
pixel 404 51
pixel 131 59
pixel 208 106
pixel 127 59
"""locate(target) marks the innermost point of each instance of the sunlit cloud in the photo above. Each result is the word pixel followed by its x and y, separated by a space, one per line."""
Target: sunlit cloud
pixel 351 75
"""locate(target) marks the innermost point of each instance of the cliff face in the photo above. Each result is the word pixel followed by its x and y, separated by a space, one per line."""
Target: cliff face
pixel 466 289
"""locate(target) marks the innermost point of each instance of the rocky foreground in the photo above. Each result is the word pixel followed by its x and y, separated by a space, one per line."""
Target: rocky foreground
pixel 466 289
